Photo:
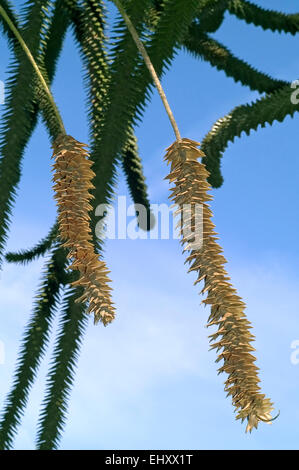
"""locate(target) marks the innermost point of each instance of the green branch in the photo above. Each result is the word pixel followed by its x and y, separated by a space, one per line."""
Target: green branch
pixel 201 45
pixel 25 256
pixel 273 107
pixel 88 27
pixel 19 122
pixel 110 132
pixel 89 23
pixel 73 324
pixel 132 167
pixel 34 343
pixel 6 5
pixel 211 15
pixel 267 19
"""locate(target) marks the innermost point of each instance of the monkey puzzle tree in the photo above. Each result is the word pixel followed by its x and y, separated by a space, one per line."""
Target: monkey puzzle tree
pixel 164 27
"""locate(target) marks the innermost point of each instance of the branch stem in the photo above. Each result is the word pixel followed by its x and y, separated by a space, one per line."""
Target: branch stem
pixel 149 65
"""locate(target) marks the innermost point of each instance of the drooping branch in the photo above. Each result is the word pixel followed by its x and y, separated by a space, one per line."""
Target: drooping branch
pixel 44 245
pixel 73 324
pixel 125 109
pixel 211 15
pixel 33 347
pixel 201 45
pixel 273 107
pixel 6 5
pixel 267 19
pixel 132 167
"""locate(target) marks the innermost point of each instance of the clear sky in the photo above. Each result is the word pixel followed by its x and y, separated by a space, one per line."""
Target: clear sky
pixel 148 380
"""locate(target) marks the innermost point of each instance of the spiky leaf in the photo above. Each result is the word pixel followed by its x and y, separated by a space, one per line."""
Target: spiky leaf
pixel 267 19
pixel 33 346
pixel 273 107
pixel 201 45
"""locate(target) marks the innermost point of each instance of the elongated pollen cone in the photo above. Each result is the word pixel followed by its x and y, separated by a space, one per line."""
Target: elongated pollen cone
pixel 232 340
pixel 72 178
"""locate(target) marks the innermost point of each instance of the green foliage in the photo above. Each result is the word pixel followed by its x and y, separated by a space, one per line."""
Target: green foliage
pixel 273 107
pixel 111 67
pixel 3 25
pixel 23 104
pixel 132 167
pixel 25 256
pixel 19 117
pixel 113 123
pixel 73 324
pixel 202 46
pixel 267 19
pixel 212 16
pixel 52 42
pixel 89 23
pixel 129 73
pixel 33 346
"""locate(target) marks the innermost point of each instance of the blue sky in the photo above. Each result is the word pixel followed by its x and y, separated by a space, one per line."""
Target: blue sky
pixel 148 380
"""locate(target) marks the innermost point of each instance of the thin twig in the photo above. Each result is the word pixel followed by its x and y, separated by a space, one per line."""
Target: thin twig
pixel 149 65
